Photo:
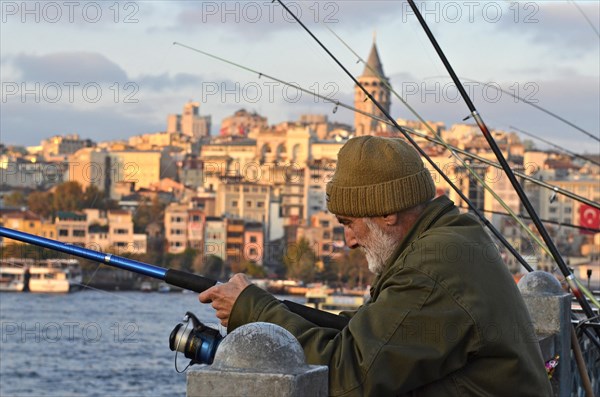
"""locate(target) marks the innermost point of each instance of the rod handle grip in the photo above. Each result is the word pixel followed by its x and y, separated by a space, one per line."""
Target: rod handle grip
pixel 188 281
pixel 318 317
pixel 199 284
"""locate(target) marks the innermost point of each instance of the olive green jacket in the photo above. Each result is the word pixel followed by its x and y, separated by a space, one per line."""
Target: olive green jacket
pixel 445 318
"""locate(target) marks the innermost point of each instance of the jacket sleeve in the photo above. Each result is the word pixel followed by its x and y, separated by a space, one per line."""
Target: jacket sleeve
pixel 411 335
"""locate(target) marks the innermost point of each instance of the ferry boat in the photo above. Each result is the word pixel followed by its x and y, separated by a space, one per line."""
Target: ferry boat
pixel 326 299
pixel 11 279
pixel 45 276
pixel 12 274
pixel 55 275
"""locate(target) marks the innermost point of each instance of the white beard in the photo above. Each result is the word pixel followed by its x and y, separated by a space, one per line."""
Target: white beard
pixel 378 247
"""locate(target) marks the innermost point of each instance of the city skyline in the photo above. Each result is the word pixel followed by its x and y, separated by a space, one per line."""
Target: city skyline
pixel 109 70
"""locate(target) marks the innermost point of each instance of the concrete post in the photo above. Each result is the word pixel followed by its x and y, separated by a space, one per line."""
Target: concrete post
pixel 550 310
pixel 258 359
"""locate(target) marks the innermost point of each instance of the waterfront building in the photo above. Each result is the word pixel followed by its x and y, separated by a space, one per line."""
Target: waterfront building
pixel 190 122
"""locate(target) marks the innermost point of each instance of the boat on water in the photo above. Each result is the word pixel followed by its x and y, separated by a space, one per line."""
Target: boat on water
pixel 11 279
pixel 43 276
pixel 332 301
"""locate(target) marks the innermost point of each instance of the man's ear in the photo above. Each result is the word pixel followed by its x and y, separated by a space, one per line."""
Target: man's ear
pixel 391 219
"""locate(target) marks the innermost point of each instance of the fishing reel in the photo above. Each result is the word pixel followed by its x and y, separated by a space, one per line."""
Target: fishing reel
pixel 198 342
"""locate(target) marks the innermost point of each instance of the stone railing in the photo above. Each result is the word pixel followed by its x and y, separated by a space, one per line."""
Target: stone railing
pixel 550 309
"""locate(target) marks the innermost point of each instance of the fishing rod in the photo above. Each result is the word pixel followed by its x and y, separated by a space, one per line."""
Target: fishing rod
pixel 177 278
pixel 433 140
pixel 513 180
pixel 560 148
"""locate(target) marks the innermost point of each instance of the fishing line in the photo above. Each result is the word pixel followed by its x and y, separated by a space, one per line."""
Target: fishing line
pixel 560 148
pixel 568 275
pixel 565 224
pixel 589 21
pixel 530 103
pixel 338 103
pixel 424 122
pixel 404 131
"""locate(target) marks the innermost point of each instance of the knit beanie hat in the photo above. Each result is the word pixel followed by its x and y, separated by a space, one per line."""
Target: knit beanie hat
pixel 377 176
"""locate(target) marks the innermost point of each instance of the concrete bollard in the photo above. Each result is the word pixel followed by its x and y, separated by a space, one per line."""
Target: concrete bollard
pixel 550 310
pixel 258 359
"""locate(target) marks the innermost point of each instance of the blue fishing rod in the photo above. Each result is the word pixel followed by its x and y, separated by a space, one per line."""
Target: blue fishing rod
pixel 177 278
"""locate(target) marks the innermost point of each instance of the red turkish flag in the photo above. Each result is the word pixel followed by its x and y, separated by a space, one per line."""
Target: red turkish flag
pixel 589 217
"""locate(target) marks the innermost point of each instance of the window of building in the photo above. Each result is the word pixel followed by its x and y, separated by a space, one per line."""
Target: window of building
pixel 249 204
pixel 253 251
pixel 552 210
pixel 234 203
pixel 568 210
pixel 63 232
pixel 260 204
pixel 324 223
pixel 327 235
pixel 246 189
pixel 253 239
pixel 78 233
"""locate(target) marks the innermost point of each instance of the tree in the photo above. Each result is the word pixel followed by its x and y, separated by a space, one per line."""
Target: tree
pixel 147 214
pixel 41 203
pixel 351 269
pixel 183 261
pixel 254 270
pixel 213 267
pixel 15 199
pixel 68 196
pixel 300 261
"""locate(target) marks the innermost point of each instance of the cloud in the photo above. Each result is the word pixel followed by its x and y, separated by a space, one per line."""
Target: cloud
pixel 554 25
pixel 165 81
pixel 259 19
pixel 79 67
pixel 574 98
pixel 19 127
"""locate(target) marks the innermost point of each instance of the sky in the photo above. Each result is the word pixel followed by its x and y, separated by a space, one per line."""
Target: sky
pixel 109 70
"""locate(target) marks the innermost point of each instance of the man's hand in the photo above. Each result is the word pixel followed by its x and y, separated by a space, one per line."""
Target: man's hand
pixel 223 296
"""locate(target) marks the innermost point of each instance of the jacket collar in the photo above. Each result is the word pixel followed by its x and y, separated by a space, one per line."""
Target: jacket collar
pixel 432 213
